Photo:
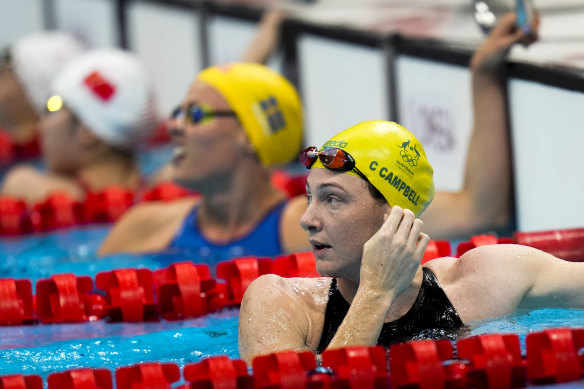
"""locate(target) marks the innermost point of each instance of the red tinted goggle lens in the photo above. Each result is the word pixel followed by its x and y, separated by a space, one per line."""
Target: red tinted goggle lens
pixel 308 156
pixel 332 158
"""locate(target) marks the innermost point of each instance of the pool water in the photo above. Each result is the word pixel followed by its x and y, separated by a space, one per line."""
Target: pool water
pixel 49 348
pixel 39 256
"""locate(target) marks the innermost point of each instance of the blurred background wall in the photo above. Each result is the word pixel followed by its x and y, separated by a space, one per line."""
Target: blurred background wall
pixel 362 60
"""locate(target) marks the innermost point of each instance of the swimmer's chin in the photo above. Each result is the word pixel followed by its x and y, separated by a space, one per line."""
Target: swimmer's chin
pixel 186 183
pixel 216 184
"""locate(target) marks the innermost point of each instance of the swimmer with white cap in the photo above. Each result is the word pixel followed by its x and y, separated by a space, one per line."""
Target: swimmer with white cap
pixel 27 69
pixel 102 107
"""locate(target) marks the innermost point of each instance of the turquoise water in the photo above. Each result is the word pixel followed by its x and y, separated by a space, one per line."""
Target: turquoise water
pixel 73 250
pixel 112 345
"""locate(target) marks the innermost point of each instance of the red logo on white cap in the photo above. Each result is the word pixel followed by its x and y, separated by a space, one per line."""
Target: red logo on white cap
pixel 101 87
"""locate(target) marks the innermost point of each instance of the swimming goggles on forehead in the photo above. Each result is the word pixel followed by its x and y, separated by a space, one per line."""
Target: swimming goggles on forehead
pixel 332 158
pixel 198 113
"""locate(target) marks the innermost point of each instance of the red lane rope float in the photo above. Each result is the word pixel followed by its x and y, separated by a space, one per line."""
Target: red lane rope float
pixel 291 185
pixel 217 372
pixel 554 356
pixel 166 191
pixel 18 381
pixel 480 240
pixel 295 265
pixel 6 147
pixel 129 294
pixel 11 152
pixel 183 290
pixel 358 367
pixel 14 219
pixel 567 244
pixel 59 210
pixel 81 379
pixel 147 375
pixel 64 298
pixel 437 249
pixel 238 274
pixel 494 360
pixel 286 369
pixel 108 205
pixel 421 364
pixel 16 302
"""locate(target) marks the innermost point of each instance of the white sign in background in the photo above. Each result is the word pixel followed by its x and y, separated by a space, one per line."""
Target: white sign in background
pixel 167 38
pixel 435 104
pixel 548 143
pixel 342 84
pixel 230 38
pixel 19 18
pixel 92 21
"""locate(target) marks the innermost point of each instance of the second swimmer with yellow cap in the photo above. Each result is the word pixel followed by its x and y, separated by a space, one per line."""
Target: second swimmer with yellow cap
pixel 366 187
pixel 236 122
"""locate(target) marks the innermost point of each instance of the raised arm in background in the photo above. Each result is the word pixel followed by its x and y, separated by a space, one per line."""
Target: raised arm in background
pixel 485 202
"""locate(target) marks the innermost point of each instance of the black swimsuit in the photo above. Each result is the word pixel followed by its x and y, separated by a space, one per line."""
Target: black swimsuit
pixel 431 316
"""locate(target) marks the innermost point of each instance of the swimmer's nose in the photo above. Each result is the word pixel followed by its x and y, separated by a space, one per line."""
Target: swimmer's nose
pixel 309 222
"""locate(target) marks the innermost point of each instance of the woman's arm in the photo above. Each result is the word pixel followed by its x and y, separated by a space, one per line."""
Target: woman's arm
pixel 485 201
pixel 273 318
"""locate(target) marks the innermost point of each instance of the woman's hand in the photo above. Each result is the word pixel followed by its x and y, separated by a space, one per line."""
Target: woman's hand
pixel 393 254
pixel 491 54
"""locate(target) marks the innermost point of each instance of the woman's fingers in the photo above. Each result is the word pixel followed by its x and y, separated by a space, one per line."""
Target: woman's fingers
pixel 392 222
pixel 415 232
pixel 404 229
pixel 423 241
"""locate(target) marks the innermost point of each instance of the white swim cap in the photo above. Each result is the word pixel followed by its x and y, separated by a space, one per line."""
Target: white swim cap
pixel 110 92
pixel 38 58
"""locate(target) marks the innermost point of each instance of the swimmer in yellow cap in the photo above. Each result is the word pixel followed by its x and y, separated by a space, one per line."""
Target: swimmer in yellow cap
pixel 237 122
pixel 368 245
pixel 366 189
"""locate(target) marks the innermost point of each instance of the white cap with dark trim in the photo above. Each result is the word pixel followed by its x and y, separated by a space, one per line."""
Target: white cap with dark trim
pixel 110 92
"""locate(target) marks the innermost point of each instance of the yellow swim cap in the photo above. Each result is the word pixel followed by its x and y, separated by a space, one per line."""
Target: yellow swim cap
pixel 266 104
pixel 392 159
